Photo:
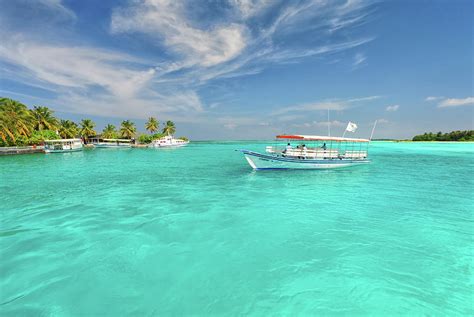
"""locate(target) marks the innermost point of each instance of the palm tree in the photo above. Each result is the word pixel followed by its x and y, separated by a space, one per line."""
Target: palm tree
pixel 109 132
pixel 152 125
pixel 127 129
pixel 43 119
pixel 68 129
pixel 169 128
pixel 87 128
pixel 15 120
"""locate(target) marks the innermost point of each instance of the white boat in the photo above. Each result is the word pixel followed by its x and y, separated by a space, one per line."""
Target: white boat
pixel 63 145
pixel 110 143
pixel 168 142
pixel 310 152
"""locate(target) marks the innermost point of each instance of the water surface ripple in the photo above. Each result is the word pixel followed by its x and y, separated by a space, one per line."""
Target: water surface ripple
pixel 194 231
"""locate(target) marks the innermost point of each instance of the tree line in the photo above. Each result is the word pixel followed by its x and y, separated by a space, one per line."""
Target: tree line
pixel 467 135
pixel 20 126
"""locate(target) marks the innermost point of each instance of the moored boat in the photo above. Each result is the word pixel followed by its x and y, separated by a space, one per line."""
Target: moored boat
pixel 168 142
pixel 63 145
pixel 99 142
pixel 310 152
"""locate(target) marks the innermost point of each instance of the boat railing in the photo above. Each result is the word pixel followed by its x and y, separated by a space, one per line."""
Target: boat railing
pixel 310 153
pixel 355 154
pixel 272 149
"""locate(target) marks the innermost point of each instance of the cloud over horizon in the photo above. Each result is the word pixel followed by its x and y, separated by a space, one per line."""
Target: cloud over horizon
pixel 456 102
pixel 234 43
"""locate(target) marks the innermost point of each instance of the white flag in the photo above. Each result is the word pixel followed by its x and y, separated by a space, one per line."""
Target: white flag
pixel 351 127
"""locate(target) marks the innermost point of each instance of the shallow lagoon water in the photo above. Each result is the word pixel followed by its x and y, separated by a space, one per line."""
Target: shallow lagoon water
pixel 194 231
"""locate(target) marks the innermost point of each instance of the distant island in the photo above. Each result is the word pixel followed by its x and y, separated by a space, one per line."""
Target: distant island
pixel 460 136
pixel 453 136
pixel 21 126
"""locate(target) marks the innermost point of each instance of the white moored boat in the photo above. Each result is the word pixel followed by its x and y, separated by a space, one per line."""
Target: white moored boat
pixel 168 142
pixel 63 145
pixel 310 152
pixel 110 143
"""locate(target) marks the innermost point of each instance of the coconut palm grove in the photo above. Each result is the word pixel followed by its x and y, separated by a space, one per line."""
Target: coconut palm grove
pixel 21 126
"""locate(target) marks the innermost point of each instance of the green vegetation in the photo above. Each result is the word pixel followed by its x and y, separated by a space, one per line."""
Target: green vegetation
pixel 148 138
pixel 152 125
pixel 38 137
pixel 467 135
pixel 87 128
pixel 109 132
pixel 169 128
pixel 128 129
pixel 43 119
pixel 68 129
pixel 16 121
pixel 21 126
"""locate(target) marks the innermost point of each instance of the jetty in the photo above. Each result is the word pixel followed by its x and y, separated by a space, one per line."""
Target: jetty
pixel 14 150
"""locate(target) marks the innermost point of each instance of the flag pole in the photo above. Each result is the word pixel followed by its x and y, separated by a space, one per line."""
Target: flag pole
pixel 329 125
pixel 373 129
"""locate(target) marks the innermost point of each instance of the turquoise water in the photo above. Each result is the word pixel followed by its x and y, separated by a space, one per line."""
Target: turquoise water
pixel 194 231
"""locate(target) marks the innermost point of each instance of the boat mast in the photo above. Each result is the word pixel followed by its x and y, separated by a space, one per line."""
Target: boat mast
pixel 329 125
pixel 373 129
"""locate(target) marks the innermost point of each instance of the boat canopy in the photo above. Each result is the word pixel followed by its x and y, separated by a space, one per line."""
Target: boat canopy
pixel 117 140
pixel 318 138
pixel 62 140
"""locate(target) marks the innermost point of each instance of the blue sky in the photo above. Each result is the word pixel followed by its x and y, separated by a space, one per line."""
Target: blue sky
pixel 245 69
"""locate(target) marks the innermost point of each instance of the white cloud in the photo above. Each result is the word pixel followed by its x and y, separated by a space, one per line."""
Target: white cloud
pixel 392 108
pixel 77 67
pixel 455 102
pixel 232 122
pixel 382 121
pixel 235 45
pixel 359 60
pixel 319 124
pixel 336 104
pixel 96 81
pixel 92 80
pixel 250 8
pixel 58 8
pixel 324 105
pixel 433 98
pixel 169 105
pixel 163 19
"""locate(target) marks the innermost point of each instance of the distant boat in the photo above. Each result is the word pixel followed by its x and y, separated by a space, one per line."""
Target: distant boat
pixel 110 143
pixel 63 145
pixel 168 142
pixel 310 152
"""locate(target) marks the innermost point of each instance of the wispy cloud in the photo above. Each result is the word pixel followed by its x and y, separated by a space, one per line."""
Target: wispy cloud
pixel 455 102
pixel 166 21
pixel 195 49
pixel 236 45
pixel 77 67
pixel 334 104
pixel 433 98
pixel 392 108
pixel 251 8
pixel 319 124
pixel 57 7
pixel 359 60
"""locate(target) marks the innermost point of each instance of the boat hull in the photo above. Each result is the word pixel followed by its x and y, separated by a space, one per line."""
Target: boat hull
pixel 112 146
pixel 170 145
pixel 62 151
pixel 260 161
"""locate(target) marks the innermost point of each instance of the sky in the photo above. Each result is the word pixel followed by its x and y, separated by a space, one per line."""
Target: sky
pixel 245 69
